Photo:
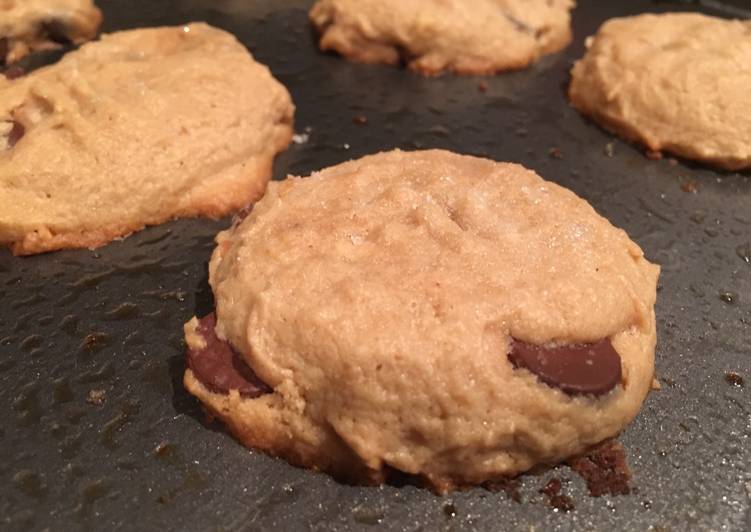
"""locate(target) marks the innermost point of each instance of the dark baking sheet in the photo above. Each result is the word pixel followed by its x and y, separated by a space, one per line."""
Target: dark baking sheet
pixel 110 319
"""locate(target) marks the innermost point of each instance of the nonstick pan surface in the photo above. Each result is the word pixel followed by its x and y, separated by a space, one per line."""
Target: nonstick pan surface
pixel 97 432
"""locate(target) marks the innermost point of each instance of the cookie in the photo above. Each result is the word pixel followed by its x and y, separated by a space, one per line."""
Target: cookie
pixel 678 82
pixel 462 36
pixel 31 25
pixel 133 130
pixel 439 315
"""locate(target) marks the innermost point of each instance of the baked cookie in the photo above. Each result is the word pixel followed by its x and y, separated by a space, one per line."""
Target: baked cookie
pixel 463 36
pixel 31 25
pixel 679 82
pixel 133 130
pixel 445 316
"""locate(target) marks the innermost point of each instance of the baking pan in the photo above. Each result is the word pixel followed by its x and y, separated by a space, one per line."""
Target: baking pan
pixel 97 432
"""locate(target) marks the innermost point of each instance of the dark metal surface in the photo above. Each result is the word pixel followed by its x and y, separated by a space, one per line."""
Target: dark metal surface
pixel 77 321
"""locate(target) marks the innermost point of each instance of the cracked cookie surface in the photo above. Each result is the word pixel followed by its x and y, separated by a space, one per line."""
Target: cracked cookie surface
pixel 462 36
pixel 31 25
pixel 136 129
pixel 395 308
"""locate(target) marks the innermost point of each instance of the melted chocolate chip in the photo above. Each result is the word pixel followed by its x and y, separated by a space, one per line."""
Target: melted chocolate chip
pixel 56 31
pixel 574 369
pixel 14 72
pixel 242 214
pixel 4 49
pixel 14 135
pixel 219 367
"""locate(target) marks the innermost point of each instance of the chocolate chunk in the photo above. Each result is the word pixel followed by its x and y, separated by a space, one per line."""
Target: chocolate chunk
pixel 219 367
pixel 575 369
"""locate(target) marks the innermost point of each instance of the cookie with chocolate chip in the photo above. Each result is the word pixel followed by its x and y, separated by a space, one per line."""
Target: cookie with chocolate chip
pixel 136 129
pixel 462 36
pixel 675 82
pixel 444 316
pixel 31 25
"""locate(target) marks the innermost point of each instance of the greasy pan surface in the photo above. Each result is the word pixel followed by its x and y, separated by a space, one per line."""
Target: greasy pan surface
pixel 110 319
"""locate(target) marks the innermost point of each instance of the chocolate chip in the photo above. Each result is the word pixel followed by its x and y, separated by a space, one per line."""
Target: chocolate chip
pixel 4 49
pixel 16 133
pixel 574 369
pixel 14 72
pixel 12 131
pixel 219 367
pixel 242 214
pixel 56 31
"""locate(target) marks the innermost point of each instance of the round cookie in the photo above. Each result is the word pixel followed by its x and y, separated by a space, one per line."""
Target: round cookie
pixel 462 36
pixel 133 130
pixel 31 25
pixel 446 316
pixel 679 82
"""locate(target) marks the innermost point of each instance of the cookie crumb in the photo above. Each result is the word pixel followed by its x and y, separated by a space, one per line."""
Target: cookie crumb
pixel 690 186
pixel 555 153
pixel 653 155
pixel 510 486
pixel 734 379
pixel 164 449
pixel 744 252
pixel 449 510
pixel 96 397
pixel 560 502
pixel 360 120
pixel 482 86
pixel 610 149
pixel 300 138
pixel 656 384
pixel 94 342
pixel 726 296
pixel 604 470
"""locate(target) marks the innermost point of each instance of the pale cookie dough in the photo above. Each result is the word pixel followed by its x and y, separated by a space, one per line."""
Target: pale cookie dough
pixel 462 36
pixel 31 25
pixel 677 82
pixel 133 130
pixel 379 301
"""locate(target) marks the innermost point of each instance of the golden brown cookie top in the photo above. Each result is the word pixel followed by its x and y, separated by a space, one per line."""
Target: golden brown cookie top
pixel 679 82
pixel 472 37
pixel 134 129
pixel 28 25
pixel 393 300
pixel 442 240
